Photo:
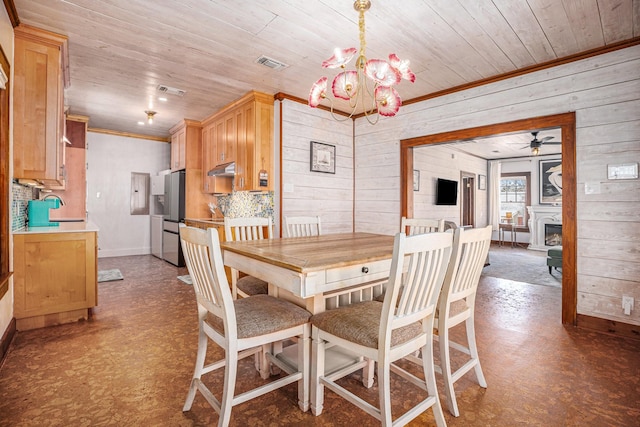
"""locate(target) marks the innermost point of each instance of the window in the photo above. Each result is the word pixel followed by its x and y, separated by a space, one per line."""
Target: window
pixel 515 196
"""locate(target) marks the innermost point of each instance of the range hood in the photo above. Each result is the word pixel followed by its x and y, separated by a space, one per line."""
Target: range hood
pixel 224 169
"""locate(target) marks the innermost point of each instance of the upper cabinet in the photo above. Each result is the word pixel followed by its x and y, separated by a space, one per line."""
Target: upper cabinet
pixel 178 147
pixel 40 76
pixel 242 132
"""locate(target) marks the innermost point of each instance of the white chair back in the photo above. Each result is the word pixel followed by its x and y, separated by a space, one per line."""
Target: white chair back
pixel 417 274
pixel 252 228
pixel 203 259
pixel 470 248
pixel 302 226
pixel 421 226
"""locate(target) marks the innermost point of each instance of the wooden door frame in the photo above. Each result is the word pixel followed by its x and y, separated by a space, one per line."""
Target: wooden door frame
pixel 567 123
pixel 473 177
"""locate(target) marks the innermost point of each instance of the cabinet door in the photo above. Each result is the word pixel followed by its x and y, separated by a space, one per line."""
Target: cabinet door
pixel 54 273
pixel 211 134
pixel 178 149
pixel 242 161
pixel 37 99
pixel 227 145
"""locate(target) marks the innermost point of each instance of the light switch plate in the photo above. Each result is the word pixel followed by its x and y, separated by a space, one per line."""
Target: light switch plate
pixel 623 171
pixel 592 187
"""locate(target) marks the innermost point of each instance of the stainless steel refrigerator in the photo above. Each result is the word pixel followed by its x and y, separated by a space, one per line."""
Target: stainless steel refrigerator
pixel 174 208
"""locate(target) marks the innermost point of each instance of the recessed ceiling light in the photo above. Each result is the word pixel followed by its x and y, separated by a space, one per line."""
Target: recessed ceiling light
pixel 163 99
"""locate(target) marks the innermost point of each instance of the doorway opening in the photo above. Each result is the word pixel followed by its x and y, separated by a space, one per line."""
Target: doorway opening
pixel 566 122
pixel 467 199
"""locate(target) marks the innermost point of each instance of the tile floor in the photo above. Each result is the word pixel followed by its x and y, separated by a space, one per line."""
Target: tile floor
pixel 131 363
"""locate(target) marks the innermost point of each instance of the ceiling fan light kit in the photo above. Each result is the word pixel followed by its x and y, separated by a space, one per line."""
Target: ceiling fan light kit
pixel 536 143
pixel 370 86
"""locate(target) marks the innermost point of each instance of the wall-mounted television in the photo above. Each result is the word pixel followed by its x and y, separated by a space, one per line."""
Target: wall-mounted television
pixel 446 192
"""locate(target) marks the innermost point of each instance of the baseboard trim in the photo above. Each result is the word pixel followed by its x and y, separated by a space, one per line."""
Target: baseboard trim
pixel 7 337
pixel 611 327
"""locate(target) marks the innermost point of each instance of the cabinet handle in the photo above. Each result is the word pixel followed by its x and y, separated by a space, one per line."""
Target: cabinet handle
pixel 365 270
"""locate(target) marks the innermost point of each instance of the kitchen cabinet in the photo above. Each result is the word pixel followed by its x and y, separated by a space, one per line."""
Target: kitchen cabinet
pixel 179 148
pixel 40 76
pixel 55 275
pixel 213 184
pixel 188 135
pixel 74 192
pixel 243 130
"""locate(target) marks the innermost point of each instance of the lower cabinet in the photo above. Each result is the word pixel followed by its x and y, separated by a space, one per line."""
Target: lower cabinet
pixel 55 278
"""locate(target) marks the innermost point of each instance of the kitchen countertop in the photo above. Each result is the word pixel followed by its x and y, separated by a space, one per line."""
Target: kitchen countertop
pixel 207 221
pixel 64 227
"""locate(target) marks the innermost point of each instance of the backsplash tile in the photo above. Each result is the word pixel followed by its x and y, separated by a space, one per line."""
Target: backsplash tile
pixel 21 194
pixel 247 204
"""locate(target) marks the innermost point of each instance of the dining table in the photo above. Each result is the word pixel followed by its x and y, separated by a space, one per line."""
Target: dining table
pixel 309 270
pixel 319 273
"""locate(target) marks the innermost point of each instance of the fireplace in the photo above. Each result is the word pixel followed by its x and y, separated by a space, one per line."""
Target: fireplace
pixel 553 234
pixel 541 217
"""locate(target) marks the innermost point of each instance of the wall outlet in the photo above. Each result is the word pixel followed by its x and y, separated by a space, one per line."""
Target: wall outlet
pixel 627 304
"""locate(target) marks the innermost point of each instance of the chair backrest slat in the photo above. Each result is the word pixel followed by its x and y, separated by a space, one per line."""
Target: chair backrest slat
pixel 417 273
pixel 203 258
pixel 412 226
pixel 302 226
pixel 252 228
pixel 470 248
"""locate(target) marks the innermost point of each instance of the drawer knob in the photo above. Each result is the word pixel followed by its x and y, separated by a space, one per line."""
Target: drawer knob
pixel 365 269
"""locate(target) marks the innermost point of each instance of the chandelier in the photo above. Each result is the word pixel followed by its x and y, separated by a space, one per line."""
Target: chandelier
pixel 369 86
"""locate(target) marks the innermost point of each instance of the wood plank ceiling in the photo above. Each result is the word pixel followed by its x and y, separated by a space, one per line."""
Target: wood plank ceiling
pixel 121 50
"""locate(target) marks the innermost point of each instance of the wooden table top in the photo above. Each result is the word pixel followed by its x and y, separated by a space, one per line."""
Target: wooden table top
pixel 307 254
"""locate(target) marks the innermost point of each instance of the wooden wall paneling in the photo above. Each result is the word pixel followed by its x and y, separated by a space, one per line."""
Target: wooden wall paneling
pixel 609 230
pixel 315 193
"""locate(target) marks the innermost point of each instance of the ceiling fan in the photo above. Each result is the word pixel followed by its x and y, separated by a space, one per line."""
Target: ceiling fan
pixel 536 143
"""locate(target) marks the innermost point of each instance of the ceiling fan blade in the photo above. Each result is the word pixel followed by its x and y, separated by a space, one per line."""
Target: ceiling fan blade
pixel 546 138
pixel 553 143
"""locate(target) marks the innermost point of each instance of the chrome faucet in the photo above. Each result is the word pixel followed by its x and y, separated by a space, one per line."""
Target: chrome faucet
pixel 55 196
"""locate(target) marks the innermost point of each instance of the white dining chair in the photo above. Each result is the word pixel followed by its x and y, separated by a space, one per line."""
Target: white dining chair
pixel 413 226
pixel 240 327
pixel 302 226
pixel 251 228
pixel 457 305
pixel 388 331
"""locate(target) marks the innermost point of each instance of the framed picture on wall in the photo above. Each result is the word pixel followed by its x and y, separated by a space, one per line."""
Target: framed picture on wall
pixel 323 157
pixel 482 182
pixel 416 180
pixel 550 182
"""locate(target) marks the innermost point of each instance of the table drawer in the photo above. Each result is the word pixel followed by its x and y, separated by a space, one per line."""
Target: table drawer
pixel 359 273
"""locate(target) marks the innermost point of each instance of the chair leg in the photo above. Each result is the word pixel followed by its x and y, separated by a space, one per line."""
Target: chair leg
pixel 197 373
pixel 430 379
pixel 384 390
pixel 445 366
pixel 473 350
pixel 304 357
pixel 262 362
pixel 317 370
pixel 230 374
pixel 549 269
pixel 368 373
